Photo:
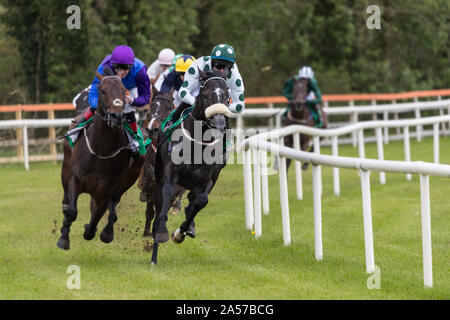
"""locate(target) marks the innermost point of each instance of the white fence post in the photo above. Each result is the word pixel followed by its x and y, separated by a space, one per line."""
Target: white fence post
pixel 284 200
pixel 367 219
pixel 426 231
pixel 249 221
pixel 407 149
pixel 316 141
pixel 436 142
pixel 418 127
pixel 25 148
pixel 317 194
pixel 380 150
pixel 386 129
pixel 361 150
pixel 264 181
pixel 298 169
pixel 334 151
pixel 257 193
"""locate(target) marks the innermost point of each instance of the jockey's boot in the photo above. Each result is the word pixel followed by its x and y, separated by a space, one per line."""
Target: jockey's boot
pixel 84 117
pixel 175 116
pixel 319 121
pixel 134 144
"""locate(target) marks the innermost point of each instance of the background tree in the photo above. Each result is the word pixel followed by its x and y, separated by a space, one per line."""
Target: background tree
pixel 44 61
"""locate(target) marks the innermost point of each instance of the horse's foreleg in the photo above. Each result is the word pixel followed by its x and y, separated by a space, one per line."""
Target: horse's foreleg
pixel 70 211
pixel 107 234
pixel 198 199
pixel 98 209
pixel 149 215
pixel 160 233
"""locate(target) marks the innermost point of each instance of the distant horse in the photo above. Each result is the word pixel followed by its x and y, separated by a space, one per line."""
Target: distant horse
pixel 99 164
pixel 160 108
pixel 199 177
pixel 300 114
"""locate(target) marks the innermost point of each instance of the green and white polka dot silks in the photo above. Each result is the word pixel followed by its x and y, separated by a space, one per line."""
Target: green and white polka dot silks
pixel 190 88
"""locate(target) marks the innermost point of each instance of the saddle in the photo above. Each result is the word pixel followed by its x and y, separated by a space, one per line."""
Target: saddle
pixel 142 138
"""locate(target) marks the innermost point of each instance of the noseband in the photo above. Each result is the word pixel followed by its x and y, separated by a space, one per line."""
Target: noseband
pixel 207 122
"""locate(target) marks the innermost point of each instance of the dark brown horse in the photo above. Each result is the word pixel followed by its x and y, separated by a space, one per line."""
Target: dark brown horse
pixel 300 114
pixel 99 164
pixel 194 171
pixel 160 108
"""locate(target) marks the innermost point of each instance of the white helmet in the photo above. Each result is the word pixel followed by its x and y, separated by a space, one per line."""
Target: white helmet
pixel 165 56
pixel 306 72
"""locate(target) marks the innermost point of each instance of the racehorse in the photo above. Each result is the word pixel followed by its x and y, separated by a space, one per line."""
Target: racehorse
pixel 198 176
pixel 160 108
pixel 99 164
pixel 300 114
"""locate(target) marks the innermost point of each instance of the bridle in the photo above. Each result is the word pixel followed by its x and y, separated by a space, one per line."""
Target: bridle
pixel 107 119
pixel 204 122
pixel 116 102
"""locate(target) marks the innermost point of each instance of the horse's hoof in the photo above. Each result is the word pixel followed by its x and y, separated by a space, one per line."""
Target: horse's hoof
pixel 178 237
pixel 142 197
pixel 63 244
pixel 191 232
pixel 175 211
pixel 162 237
pixel 86 234
pixel 106 237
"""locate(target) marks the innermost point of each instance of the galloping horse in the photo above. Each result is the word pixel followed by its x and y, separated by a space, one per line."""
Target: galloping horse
pixel 196 175
pixel 99 164
pixel 300 114
pixel 160 108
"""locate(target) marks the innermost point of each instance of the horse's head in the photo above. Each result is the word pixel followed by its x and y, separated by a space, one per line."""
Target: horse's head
pixel 111 99
pixel 213 100
pixel 160 108
pixel 299 92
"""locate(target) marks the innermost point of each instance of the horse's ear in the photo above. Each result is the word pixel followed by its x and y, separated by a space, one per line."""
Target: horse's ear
pixel 203 75
pixel 107 71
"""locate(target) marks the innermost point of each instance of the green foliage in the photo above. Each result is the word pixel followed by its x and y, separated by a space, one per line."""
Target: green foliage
pixel 272 39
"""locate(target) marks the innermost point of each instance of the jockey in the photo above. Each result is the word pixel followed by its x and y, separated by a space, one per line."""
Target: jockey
pixel 173 79
pixel 223 58
pixel 134 77
pixel 314 98
pixel 160 65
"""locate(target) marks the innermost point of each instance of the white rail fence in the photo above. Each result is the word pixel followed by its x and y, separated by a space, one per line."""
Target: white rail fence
pixel 257 196
pixel 24 125
pixel 354 111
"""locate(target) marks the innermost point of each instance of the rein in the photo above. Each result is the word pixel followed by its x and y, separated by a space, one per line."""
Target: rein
pixel 99 156
pixel 189 137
